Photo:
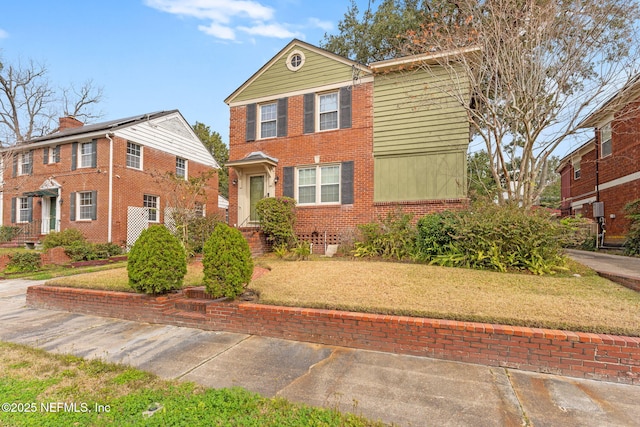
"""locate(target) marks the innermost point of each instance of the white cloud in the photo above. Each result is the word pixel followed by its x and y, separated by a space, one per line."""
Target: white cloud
pixel 218 31
pixel 324 25
pixel 227 16
pixel 269 30
pixel 3 34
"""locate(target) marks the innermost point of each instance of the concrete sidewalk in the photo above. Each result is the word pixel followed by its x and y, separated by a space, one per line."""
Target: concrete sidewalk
pixel 405 390
pixel 621 269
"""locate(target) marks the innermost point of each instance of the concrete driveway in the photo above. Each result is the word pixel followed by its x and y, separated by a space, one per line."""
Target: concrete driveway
pixel 399 389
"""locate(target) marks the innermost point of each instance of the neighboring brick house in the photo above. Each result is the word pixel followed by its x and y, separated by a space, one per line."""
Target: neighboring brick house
pixel 349 142
pixel 606 169
pixel 108 180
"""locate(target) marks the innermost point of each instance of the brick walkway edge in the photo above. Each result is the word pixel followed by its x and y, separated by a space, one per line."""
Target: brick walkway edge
pixel 574 354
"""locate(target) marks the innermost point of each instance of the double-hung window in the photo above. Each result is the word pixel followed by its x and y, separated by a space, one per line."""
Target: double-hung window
pixel 328 111
pixel 24 210
pixel 576 169
pixel 85 205
pixel 151 203
pixel 269 120
pixel 605 140
pixel 25 165
pixel 318 185
pixel 134 155
pixel 86 154
pixel 181 167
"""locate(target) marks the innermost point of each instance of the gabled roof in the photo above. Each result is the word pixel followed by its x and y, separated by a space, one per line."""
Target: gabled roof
pixel 166 131
pixel 296 43
pixel 629 93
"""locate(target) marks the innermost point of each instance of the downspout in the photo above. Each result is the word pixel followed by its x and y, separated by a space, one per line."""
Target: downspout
pixel 110 208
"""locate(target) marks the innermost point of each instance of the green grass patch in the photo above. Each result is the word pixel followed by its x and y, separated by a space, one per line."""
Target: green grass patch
pixel 100 394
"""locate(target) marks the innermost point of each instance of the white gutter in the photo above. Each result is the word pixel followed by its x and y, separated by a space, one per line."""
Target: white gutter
pixel 110 209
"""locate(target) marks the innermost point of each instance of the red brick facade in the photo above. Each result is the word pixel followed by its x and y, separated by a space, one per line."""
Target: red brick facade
pixel 354 144
pixel 129 186
pixel 612 179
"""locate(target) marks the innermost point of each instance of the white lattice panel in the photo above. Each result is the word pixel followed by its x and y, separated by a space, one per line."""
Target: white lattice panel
pixel 137 221
pixel 169 221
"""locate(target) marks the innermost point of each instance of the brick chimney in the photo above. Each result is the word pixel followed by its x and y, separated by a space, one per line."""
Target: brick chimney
pixel 69 123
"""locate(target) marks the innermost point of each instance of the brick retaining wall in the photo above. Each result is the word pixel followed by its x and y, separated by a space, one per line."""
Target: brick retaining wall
pixel 583 355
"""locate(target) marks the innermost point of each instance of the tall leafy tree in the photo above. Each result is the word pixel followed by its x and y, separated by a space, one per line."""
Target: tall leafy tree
pixel 218 149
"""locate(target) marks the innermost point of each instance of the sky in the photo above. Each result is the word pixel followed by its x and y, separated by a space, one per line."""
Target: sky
pixel 158 55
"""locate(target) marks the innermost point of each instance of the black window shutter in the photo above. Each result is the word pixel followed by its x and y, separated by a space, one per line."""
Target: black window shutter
pixel 74 156
pixel 94 208
pixel 251 122
pixel 345 108
pixel 309 113
pixel 14 200
pixel 287 187
pixel 346 182
pixel 15 165
pixel 45 155
pixel 94 153
pixel 282 116
pixel 30 154
pixel 72 207
pixel 56 154
pixel 29 209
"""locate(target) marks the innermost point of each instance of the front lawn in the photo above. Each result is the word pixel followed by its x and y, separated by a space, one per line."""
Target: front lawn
pixel 587 303
pixel 41 389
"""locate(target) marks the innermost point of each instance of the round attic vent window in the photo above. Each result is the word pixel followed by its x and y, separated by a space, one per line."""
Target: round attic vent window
pixel 295 60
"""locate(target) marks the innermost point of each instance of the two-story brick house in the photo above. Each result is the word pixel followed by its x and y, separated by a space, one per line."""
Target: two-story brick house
pixel 349 142
pixel 606 169
pixel 110 180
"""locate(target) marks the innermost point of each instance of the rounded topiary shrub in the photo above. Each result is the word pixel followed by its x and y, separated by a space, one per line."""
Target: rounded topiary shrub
pixel 157 262
pixel 227 262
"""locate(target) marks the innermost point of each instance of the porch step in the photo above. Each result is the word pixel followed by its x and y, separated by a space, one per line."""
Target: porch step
pixel 200 292
pixel 186 315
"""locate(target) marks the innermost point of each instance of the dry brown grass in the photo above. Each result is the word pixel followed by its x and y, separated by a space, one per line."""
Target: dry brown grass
pixel 586 303
pixel 117 279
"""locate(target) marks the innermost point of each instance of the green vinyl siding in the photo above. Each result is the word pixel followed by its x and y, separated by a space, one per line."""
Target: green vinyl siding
pixel 414 112
pixel 317 71
pixel 430 176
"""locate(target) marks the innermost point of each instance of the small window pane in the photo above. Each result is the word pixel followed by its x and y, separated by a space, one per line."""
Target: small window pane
pixel 328 102
pixel 307 177
pixel 134 156
pixel 307 194
pixel 268 120
pixel 85 202
pixel 330 175
pixel 181 167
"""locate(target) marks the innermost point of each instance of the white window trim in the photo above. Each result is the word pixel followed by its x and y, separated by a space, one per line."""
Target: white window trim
pixel 141 156
pixel 577 171
pixel 19 210
pixel 318 185
pixel 259 113
pixel 79 207
pixel 607 128
pixel 186 168
pixel 81 156
pixel 292 67
pixel 21 163
pixel 157 208
pixel 317 112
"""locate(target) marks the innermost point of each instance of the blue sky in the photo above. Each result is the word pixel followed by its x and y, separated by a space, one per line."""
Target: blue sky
pixel 152 55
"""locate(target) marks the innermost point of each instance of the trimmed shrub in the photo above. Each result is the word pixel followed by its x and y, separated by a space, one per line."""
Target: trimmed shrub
pixel 7 233
pixel 63 238
pixel 277 217
pixel 435 234
pixel 157 262
pixel 227 262
pixel 24 262
pixel 393 237
pixel 106 250
pixel 502 238
pixel 632 243
pixel 80 251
